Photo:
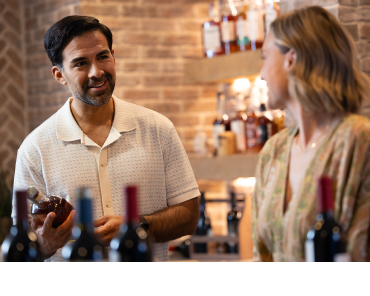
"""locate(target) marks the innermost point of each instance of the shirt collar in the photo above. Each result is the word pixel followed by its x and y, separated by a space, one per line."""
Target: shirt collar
pixel 68 129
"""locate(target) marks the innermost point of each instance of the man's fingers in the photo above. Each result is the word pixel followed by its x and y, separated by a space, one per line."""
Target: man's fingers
pixel 67 224
pixel 100 221
pixel 48 223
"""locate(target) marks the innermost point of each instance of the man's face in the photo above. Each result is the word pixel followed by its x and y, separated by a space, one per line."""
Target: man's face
pixel 89 68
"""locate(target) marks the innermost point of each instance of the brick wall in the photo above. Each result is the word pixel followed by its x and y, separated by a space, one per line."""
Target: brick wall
pixel 13 117
pixel 152 41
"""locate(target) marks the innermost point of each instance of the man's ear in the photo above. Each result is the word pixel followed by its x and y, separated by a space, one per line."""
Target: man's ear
pixel 58 75
pixel 290 59
pixel 113 55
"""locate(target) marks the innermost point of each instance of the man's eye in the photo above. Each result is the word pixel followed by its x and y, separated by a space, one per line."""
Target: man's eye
pixel 80 64
pixel 102 57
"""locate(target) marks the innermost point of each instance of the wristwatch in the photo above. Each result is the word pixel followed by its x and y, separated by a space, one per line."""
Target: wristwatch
pixel 143 223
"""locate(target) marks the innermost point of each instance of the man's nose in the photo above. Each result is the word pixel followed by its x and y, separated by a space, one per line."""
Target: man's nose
pixel 95 71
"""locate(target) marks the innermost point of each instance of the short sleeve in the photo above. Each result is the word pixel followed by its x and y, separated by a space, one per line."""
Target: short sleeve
pixel 27 174
pixel 180 181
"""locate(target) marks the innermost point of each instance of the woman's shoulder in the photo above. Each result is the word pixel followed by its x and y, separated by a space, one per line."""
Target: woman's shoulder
pixel 279 140
pixel 355 126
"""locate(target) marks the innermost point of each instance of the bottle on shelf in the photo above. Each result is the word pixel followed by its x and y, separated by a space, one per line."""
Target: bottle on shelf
pixel 85 246
pixel 233 220
pixel 255 25
pixel 204 226
pixel 272 12
pixel 251 135
pixel 219 124
pixel 200 143
pixel 131 243
pixel 278 123
pixel 228 18
pixel 238 124
pixel 211 33
pixel 242 30
pixel 264 127
pixel 20 245
pixel 325 240
pixel 43 205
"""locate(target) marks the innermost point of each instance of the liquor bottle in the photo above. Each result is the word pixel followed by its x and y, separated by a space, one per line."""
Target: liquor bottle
pixel 85 247
pixel 242 30
pixel 219 124
pixel 17 246
pixel 255 26
pixel 204 226
pixel 131 243
pixel 211 33
pixel 251 131
pixel 42 206
pixel 238 124
pixel 272 12
pixel 233 219
pixel 228 36
pixel 200 143
pixel 325 240
pixel 265 126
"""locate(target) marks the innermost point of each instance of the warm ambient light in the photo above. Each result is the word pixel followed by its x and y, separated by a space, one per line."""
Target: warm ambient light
pixel 241 85
pixel 260 83
pixel 245 182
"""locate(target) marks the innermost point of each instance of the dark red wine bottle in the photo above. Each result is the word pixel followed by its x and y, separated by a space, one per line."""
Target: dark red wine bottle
pixel 131 243
pixel 17 246
pixel 324 239
pixel 86 247
pixel 233 219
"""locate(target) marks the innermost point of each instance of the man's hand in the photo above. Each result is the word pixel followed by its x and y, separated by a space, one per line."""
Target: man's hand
pixel 110 226
pixel 51 239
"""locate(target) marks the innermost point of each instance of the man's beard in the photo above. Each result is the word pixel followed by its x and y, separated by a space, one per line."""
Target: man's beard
pixel 101 97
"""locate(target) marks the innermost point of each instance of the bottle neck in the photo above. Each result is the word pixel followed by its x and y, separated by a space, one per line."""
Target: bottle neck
pixel 22 214
pixel 85 214
pixel 131 205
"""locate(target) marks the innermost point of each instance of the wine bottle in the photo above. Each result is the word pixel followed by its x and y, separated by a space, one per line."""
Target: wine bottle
pixel 219 124
pixel 17 246
pixel 228 35
pixel 233 219
pixel 265 126
pixel 211 33
pixel 242 30
pixel 42 206
pixel 131 243
pixel 86 247
pixel 204 226
pixel 238 124
pixel 324 242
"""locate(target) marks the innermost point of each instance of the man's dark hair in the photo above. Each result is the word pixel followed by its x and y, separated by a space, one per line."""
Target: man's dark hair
pixel 63 31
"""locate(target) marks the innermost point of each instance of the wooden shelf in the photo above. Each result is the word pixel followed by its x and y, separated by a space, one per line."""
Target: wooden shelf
pixel 223 68
pixel 224 167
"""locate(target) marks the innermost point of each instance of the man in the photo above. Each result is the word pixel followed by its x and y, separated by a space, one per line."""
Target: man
pixel 96 140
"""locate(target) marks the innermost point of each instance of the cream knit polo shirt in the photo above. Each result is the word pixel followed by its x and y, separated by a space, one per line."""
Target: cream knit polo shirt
pixel 142 148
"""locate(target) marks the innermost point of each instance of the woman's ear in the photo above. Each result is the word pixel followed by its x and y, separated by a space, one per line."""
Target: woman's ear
pixel 290 59
pixel 58 75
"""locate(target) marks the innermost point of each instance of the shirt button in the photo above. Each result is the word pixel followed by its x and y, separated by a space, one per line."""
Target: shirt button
pixel 102 165
pixel 108 205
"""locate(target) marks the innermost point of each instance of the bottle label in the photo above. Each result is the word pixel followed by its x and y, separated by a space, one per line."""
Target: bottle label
pixel 251 135
pixel 271 15
pixel 228 31
pixel 238 128
pixel 242 32
pixel 217 129
pixel 253 24
pixel 211 39
pixel 309 251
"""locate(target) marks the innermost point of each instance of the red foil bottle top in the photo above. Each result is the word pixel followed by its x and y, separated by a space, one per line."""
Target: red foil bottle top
pixel 325 195
pixel 131 204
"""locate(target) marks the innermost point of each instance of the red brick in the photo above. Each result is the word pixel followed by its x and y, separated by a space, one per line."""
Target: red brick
pixel 2 6
pixel 126 52
pixel 366 65
pixel 14 4
pixel 210 91
pixel 139 66
pixel 13 91
pixel 123 80
pixel 160 53
pixel 200 106
pixel 173 67
pixel 3 63
pixel 181 39
pixel 141 94
pixel 16 113
pixel 2 45
pixel 184 120
pixel 98 10
pixel 119 23
pixel 348 2
pixel 347 14
pixel 3 80
pixel 159 25
pixel 13 39
pixel 191 52
pixel 3 118
pixel 3 156
pixel 194 26
pixel 14 57
pixel 31 23
pixel 39 8
pixel 37 61
pixel 163 107
pixel 140 38
pixel 162 80
pixel 353 31
pixel 186 94
pixel 364 30
pixel 209 119
pixel 62 13
pixel 2 27
pixel 15 76
pixel 13 20
pixel 118 1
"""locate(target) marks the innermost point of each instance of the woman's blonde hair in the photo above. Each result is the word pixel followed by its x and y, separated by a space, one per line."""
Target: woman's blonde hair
pixel 325 75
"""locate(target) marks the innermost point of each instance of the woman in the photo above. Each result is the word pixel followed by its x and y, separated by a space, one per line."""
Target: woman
pixel 310 68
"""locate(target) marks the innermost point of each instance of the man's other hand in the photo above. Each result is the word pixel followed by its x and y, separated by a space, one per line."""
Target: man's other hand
pixel 110 226
pixel 51 239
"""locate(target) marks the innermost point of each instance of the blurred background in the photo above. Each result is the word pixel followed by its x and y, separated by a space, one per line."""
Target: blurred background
pixel 165 62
